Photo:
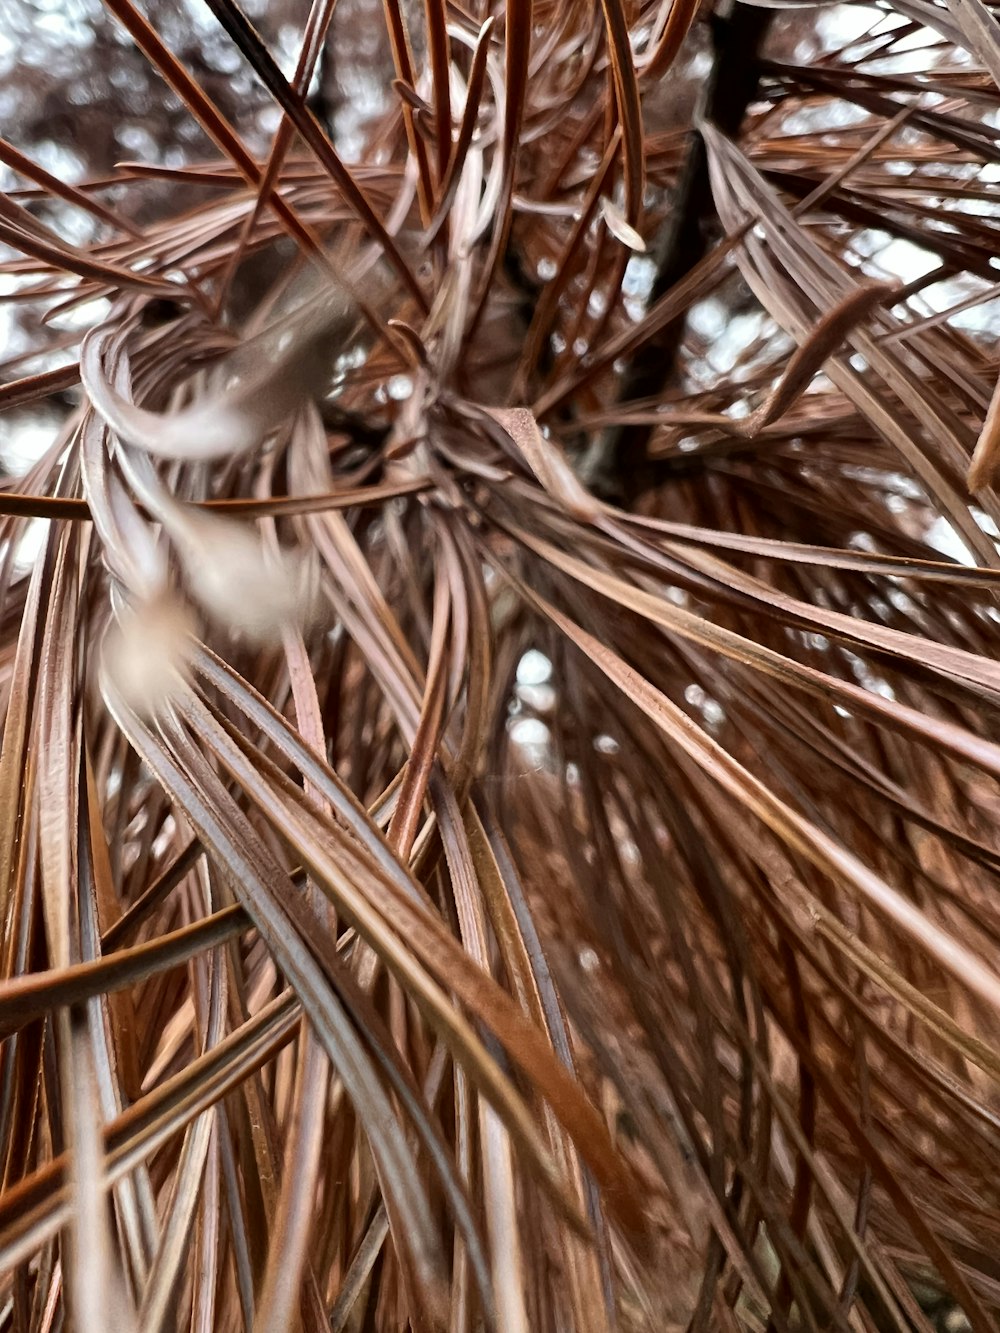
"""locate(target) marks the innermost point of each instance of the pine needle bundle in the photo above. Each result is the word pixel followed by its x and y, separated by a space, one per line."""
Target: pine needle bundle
pixel 498 791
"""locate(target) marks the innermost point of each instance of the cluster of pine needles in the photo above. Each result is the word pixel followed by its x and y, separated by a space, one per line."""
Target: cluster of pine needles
pixel 498 794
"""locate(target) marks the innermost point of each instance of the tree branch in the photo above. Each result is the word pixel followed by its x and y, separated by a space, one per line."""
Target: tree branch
pixel 619 467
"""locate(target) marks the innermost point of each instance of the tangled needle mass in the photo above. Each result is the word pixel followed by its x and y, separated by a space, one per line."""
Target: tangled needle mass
pixel 498 668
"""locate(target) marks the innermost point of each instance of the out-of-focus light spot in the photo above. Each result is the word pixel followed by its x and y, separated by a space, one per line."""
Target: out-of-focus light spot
pixel 534 668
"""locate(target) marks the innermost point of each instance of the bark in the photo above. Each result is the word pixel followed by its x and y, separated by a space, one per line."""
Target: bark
pixel 621 470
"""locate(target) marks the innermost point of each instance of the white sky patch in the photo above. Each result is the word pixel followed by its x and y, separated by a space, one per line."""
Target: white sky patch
pixel 840 24
pixel 30 545
pixel 534 668
pixel 943 537
pixel 640 274
pixel 532 737
pixel 23 444
pixel 83 316
pixel 708 318
pixel 906 261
